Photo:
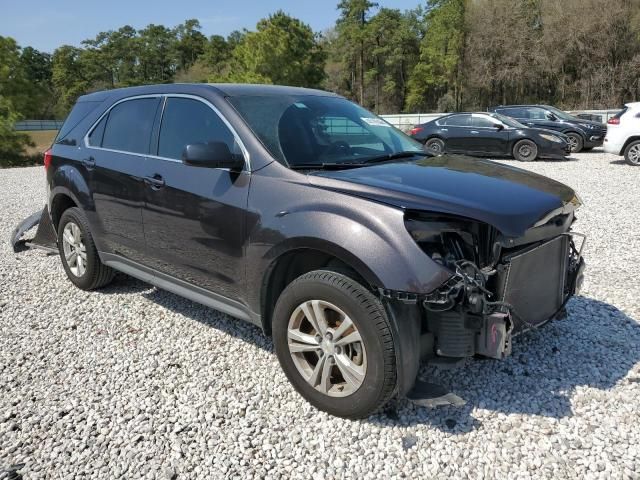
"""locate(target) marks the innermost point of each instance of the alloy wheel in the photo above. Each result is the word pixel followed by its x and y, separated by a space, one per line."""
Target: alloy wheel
pixel 326 348
pixel 75 251
pixel 634 154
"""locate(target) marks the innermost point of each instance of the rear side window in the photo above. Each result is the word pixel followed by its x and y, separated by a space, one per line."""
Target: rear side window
pixel 129 125
pixel 458 121
pixel 186 121
pixel 77 114
pixel 513 112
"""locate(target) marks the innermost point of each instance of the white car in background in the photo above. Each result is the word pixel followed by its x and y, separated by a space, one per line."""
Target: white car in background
pixel 623 134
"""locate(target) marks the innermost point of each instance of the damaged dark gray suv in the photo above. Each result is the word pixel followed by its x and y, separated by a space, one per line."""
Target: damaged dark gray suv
pixel 312 218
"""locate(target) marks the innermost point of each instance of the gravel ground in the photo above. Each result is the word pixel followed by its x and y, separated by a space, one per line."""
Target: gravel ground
pixel 132 381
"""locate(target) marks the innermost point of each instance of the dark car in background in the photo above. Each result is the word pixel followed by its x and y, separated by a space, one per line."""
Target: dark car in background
pixel 489 134
pixel 583 134
pixel 309 216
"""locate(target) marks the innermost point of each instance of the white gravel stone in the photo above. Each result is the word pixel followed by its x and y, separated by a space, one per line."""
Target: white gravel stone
pixel 132 381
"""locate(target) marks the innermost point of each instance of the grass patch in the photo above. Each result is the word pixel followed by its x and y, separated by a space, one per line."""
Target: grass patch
pixel 42 140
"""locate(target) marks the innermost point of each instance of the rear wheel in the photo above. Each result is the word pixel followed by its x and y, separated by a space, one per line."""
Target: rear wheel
pixel 525 151
pixel 435 145
pixel 632 153
pixel 334 343
pixel 575 142
pixel 79 254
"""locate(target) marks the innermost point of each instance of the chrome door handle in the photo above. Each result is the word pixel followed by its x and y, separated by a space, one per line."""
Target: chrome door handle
pixel 474 131
pixel 89 162
pixel 156 182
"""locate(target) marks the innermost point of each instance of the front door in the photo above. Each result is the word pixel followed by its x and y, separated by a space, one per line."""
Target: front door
pixel 194 217
pixel 487 137
pixel 115 157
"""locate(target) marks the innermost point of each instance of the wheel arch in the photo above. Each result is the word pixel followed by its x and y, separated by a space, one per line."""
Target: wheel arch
pixel 629 141
pixel 302 256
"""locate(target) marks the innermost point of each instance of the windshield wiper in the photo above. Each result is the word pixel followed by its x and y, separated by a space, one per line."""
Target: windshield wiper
pixel 325 166
pixel 394 156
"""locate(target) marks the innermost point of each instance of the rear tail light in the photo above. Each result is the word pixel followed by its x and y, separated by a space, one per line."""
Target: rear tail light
pixel 614 121
pixel 47 159
pixel 415 130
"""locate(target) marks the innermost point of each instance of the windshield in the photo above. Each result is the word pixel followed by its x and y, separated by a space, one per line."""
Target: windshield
pixel 508 121
pixel 561 114
pixel 317 130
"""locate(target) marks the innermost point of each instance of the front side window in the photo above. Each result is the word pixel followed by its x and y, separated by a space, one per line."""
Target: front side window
pixel 187 121
pixel 129 125
pixel 482 121
pixel 315 129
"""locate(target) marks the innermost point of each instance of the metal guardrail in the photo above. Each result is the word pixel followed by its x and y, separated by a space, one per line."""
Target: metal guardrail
pixel 408 121
pixel 31 125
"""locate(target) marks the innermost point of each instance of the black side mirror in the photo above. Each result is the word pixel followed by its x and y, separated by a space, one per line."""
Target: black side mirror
pixel 211 155
pixel 551 116
pixel 498 126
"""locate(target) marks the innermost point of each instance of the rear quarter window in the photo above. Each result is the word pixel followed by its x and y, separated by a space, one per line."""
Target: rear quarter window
pixel 78 113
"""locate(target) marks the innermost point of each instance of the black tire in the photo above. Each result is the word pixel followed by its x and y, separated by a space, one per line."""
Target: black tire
pixel 576 142
pixel 525 151
pixel 370 319
pixel 96 274
pixel 587 149
pixel 435 145
pixel 632 153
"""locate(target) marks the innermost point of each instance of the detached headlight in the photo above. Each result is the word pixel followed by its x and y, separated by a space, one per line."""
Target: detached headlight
pixel 551 138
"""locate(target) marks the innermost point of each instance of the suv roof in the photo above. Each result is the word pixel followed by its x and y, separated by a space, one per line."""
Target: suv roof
pixel 224 89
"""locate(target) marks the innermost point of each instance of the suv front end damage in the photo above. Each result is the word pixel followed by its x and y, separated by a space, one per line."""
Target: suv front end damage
pixel 499 286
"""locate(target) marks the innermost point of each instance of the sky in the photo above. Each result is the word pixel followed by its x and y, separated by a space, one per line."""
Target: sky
pixel 47 24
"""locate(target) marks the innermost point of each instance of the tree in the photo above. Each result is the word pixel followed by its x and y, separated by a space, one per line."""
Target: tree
pixel 282 50
pixel 12 143
pixel 353 40
pixel 69 80
pixel 190 43
pixel 438 72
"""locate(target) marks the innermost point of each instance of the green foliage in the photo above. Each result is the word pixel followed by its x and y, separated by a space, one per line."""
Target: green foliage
pixel 12 144
pixel 282 50
pixel 441 52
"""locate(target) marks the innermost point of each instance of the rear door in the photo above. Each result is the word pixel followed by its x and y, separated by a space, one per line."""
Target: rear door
pixel 194 217
pixel 458 133
pixel 116 150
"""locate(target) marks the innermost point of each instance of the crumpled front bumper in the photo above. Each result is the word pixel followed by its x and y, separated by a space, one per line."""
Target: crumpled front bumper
pixel 45 237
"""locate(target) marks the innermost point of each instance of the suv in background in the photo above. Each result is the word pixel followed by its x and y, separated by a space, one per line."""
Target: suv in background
pixel 305 214
pixel 623 134
pixel 583 134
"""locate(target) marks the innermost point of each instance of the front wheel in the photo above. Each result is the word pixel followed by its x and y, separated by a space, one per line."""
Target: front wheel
pixel 632 153
pixel 334 343
pixel 575 142
pixel 525 151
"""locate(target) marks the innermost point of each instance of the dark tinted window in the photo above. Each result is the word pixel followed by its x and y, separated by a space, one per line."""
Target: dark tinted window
pixel 513 112
pixel 186 121
pixel 95 137
pixel 458 121
pixel 621 112
pixel 535 113
pixel 77 114
pixel 129 125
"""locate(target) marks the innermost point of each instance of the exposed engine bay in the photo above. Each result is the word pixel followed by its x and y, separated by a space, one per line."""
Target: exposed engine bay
pixel 499 287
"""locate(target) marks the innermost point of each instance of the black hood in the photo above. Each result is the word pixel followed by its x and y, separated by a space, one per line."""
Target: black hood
pixel 511 199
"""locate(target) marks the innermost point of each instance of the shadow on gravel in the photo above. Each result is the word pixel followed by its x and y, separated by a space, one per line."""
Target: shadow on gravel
pixel 212 318
pixel 595 346
pixel 619 162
